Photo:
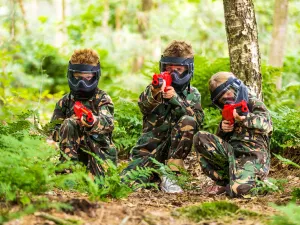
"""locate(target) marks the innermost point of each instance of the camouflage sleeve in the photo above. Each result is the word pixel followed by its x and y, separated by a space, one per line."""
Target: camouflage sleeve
pixel 149 100
pixel 105 119
pixel 259 118
pixel 191 106
pixel 58 116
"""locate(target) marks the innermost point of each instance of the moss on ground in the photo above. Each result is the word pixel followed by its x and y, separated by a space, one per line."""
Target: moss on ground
pixel 216 210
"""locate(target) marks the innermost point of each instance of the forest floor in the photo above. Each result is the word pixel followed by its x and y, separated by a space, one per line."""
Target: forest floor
pixel 153 207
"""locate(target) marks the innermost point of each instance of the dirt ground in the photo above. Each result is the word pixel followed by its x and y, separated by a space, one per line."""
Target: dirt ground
pixel 152 207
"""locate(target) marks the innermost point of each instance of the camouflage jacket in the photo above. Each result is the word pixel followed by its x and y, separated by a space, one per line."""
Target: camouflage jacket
pixel 101 106
pixel 254 132
pixel 159 112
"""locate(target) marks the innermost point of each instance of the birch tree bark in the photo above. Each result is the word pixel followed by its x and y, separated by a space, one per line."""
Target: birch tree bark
pixel 242 40
pixel 280 19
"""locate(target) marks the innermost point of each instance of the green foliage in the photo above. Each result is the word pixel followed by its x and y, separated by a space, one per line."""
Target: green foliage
pixel 111 184
pixel 296 193
pixel 128 124
pixel 289 215
pixel 212 119
pixel 204 69
pixel 44 60
pixel 184 179
pixel 291 69
pixel 286 161
pixel 28 167
pixel 286 125
pixel 40 59
pixel 33 70
pixel 270 185
pixel 138 178
pixel 76 180
pixel 214 210
pixel 275 99
pixel 24 163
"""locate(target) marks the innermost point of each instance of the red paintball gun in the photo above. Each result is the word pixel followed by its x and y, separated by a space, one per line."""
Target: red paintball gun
pixel 81 111
pixel 158 80
pixel 241 108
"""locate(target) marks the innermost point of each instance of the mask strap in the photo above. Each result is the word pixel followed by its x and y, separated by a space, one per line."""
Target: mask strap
pixel 220 89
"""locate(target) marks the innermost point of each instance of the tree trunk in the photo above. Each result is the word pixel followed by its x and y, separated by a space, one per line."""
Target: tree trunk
pixel 143 17
pixel 242 40
pixel 60 36
pixel 280 19
pixel 106 15
pixel 13 20
pixel 24 15
pixel 118 22
pixel 143 25
pixel 63 12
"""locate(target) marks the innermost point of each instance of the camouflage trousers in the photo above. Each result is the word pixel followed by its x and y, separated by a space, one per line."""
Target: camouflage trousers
pixel 171 144
pixel 233 167
pixel 73 140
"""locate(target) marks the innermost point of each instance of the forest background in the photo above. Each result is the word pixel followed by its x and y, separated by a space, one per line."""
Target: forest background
pixel 37 39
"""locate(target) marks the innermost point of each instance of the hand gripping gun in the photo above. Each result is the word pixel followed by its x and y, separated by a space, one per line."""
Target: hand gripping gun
pixel 158 80
pixel 241 108
pixel 81 111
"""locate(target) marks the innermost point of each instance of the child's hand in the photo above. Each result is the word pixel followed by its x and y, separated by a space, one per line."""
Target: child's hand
pixel 237 117
pixel 170 92
pixel 226 126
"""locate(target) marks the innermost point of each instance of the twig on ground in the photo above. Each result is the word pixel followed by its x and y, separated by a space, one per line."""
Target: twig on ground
pixel 53 218
pixel 124 221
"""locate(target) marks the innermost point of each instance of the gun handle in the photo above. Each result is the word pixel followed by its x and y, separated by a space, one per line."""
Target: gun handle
pixel 231 121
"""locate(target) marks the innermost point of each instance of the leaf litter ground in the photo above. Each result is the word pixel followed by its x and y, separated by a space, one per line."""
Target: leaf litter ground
pixel 151 207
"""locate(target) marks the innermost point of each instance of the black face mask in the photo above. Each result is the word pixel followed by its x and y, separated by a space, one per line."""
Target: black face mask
pixel 178 82
pixel 83 95
pixel 83 89
pixel 240 92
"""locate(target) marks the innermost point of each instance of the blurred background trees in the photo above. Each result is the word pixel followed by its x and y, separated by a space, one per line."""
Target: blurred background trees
pixel 38 37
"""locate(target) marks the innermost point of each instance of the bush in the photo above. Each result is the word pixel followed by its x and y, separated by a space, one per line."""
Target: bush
pixel 28 167
pixel 289 215
pixel 274 99
pixel 286 132
pixel 203 71
pixel 128 122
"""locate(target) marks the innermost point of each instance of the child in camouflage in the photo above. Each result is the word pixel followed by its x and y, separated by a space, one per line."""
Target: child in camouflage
pixel 171 115
pixel 76 134
pixel 239 153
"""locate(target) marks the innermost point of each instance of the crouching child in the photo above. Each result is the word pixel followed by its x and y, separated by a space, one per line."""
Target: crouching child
pixel 239 154
pixel 91 132
pixel 172 114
